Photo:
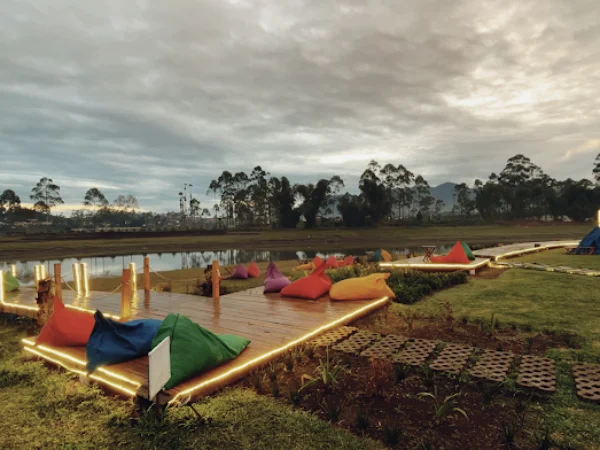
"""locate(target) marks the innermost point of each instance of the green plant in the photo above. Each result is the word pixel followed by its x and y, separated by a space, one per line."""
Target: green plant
pixel 529 344
pixel 409 318
pixel 379 376
pixel 543 440
pixel 447 313
pixel 508 431
pixel 362 419
pixel 289 361
pixel 429 376
pixel 445 408
pixel 392 434
pixel 272 371
pixel 257 380
pixel 295 396
pixel 332 412
pixel 326 373
pixel 298 353
pixel 275 391
pixel 401 371
pixel 309 351
pixel 488 391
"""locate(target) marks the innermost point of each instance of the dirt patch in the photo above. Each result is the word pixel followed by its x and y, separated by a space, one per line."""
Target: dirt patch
pixel 387 402
pixel 460 331
pixel 489 273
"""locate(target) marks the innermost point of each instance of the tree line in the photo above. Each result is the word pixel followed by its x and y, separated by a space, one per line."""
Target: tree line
pixel 387 194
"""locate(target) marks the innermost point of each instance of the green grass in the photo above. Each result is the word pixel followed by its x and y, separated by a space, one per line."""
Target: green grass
pixel 15 248
pixel 544 301
pixel 559 257
pixel 45 408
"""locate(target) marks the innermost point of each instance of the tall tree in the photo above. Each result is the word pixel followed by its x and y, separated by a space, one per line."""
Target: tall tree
pixel 596 169
pixel 95 199
pixel 126 203
pixel 9 200
pixel 317 198
pixel 283 201
pixel 46 195
pixel 465 203
pixel 376 186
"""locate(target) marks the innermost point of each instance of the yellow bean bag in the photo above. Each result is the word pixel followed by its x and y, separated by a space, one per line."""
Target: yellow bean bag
pixel 305 267
pixel 385 256
pixel 364 288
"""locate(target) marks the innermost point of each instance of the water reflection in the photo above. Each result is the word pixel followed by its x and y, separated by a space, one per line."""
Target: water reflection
pixel 105 266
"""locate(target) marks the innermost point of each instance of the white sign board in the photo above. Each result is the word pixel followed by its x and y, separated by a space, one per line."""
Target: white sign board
pixel 159 367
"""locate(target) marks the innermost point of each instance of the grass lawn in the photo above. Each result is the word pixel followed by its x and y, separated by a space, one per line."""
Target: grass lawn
pixel 49 409
pixel 559 257
pixel 17 248
pixel 540 301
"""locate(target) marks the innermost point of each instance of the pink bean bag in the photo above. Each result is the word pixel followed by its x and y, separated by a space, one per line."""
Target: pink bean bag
pixel 275 281
pixel 240 273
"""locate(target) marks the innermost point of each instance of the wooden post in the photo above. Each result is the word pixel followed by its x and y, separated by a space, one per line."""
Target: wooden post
pixel 146 275
pixel 126 294
pixel 215 278
pixel 45 301
pixel 58 281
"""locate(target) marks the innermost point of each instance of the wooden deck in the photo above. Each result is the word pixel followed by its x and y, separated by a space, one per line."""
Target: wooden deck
pixel 417 263
pixel 273 324
pixel 507 251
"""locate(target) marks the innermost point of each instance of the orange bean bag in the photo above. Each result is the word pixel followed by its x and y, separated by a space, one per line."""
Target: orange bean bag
pixel 305 267
pixel 385 256
pixel 311 287
pixel 253 270
pixel 66 327
pixel 456 255
pixel 364 288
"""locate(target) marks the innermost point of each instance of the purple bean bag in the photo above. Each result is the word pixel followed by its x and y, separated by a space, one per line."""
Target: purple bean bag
pixel 274 280
pixel 240 273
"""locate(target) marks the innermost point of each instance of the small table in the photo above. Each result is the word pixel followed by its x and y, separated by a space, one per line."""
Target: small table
pixel 429 249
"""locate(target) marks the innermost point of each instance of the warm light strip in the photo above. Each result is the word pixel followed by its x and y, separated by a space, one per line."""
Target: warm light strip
pixel 78 308
pixel 535 249
pixel 282 349
pixel 1 287
pixel 42 272
pixel 13 270
pixel 86 279
pixel 435 265
pixel 77 277
pixel 116 386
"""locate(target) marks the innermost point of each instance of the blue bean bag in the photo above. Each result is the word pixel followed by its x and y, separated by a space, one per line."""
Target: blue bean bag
pixel 113 342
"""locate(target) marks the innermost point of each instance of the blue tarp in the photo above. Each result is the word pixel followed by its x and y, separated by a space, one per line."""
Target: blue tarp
pixel 113 342
pixel 591 240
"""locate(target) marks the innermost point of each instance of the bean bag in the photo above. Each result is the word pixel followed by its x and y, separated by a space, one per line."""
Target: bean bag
pixel 364 288
pixel 253 270
pixel 311 287
pixel 240 273
pixel 305 267
pixel 332 262
pixel 113 342
pixel 456 255
pixel 195 349
pixel 385 256
pixel 10 283
pixel 377 257
pixel 468 251
pixel 275 281
pixel 348 261
pixel 317 261
pixel 66 327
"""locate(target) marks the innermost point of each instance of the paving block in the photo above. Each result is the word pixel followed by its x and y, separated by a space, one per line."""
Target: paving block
pixel 538 373
pixel 587 381
pixel 357 342
pixel 416 352
pixel 385 348
pixel 493 365
pixel 452 359
pixel 334 336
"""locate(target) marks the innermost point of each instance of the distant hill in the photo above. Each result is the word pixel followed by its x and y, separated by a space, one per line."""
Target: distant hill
pixel 445 193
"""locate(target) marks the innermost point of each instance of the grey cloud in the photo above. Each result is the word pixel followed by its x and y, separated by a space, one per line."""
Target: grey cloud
pixel 143 96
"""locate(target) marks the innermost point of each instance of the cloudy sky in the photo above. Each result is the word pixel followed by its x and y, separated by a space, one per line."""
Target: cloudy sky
pixel 141 96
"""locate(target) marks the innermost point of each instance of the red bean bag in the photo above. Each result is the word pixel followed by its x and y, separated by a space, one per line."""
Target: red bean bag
pixel 253 270
pixel 317 261
pixel 66 327
pixel 332 262
pixel 311 287
pixel 240 273
pixel 456 255
pixel 348 261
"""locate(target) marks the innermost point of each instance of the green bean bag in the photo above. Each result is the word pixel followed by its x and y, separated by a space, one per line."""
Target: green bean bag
pixel 10 282
pixel 468 251
pixel 195 349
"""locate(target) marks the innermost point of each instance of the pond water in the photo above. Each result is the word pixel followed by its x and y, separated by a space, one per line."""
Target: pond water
pixel 107 266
